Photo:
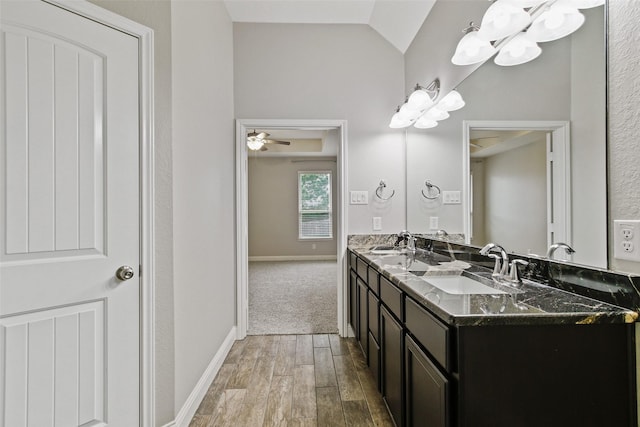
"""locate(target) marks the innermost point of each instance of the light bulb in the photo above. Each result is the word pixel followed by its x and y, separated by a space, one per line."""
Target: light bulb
pixel 471 50
pixel 452 102
pixel 502 20
pixel 419 100
pixel 519 50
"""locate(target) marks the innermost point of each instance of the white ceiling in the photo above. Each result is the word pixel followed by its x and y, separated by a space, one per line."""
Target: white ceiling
pixel 398 21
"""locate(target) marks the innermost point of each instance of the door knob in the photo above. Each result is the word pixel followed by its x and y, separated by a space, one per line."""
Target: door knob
pixel 125 273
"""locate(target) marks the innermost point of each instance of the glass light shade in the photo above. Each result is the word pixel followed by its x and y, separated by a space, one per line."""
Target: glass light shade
pixel 254 143
pixel 502 20
pixel 436 114
pixel 581 4
pixel 424 123
pixel 471 50
pixel 519 50
pixel 452 102
pixel 398 122
pixel 408 113
pixel 524 3
pixel 556 22
pixel 419 100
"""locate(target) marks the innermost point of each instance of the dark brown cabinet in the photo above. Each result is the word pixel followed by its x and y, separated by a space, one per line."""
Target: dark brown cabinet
pixel 426 389
pixel 362 334
pixel 391 349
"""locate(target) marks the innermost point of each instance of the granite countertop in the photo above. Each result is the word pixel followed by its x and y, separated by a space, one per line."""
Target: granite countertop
pixel 527 303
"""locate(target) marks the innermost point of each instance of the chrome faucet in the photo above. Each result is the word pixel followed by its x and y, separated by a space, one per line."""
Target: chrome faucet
pixel 568 249
pixel 410 241
pixel 514 274
pixel 502 261
pixel 441 233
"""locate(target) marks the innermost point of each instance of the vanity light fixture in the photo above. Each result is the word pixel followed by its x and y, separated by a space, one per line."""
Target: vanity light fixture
pixel 555 22
pixel 581 4
pixel 451 102
pixel 255 140
pixel 518 50
pixel 398 122
pixel 471 48
pixel 436 114
pixel 425 123
pixel 420 100
pixel 541 20
pixel 501 20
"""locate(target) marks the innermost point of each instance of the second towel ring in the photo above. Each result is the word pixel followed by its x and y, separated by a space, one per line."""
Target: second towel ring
pixel 381 188
pixel 430 187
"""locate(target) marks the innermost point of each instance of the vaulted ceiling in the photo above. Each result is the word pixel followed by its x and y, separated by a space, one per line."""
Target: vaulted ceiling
pixel 398 21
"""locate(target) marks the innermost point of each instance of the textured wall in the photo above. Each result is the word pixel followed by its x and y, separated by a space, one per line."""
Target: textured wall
pixel 289 71
pixel 203 175
pixel 157 16
pixel 273 208
pixel 624 119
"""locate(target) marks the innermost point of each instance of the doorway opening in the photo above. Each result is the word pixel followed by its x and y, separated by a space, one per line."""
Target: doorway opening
pixel 290 191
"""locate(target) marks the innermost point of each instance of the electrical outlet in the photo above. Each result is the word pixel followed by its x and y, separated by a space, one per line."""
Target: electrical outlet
pixel 626 240
pixel 377 223
pixel 433 222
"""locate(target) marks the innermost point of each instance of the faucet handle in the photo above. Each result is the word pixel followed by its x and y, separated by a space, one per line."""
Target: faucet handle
pixel 496 266
pixel 514 274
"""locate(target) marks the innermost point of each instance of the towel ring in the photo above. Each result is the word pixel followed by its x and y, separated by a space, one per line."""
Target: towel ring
pixel 431 186
pixel 381 188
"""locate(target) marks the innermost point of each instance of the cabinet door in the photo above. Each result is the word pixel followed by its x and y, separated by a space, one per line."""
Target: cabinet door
pixel 353 306
pixel 374 360
pixel 361 335
pixel 426 389
pixel 391 350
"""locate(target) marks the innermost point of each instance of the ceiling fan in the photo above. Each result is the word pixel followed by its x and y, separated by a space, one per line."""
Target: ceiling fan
pixel 257 140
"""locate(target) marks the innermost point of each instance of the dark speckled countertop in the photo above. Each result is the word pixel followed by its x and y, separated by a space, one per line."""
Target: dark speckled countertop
pixel 525 304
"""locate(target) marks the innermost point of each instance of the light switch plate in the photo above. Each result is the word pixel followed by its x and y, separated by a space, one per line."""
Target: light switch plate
pixel 359 197
pixel 451 197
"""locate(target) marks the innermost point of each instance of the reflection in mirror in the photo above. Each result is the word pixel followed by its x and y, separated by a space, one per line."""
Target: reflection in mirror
pixel 517 182
pixel 567 83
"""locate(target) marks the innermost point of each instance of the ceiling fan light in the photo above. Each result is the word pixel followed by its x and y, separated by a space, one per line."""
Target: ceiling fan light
pixel 519 50
pixel 581 4
pixel 425 123
pixel 502 20
pixel 254 143
pixel 471 49
pixel 452 102
pixel 556 22
pixel 398 122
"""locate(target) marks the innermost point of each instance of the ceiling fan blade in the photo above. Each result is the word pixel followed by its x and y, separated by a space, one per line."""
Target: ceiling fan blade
pixel 262 135
pixel 273 141
pixel 264 148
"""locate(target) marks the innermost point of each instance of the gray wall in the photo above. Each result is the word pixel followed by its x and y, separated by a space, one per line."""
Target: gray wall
pixel 193 188
pixel 289 71
pixel 203 192
pixel 273 208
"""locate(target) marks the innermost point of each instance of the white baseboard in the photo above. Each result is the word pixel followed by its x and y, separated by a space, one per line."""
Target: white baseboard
pixel 295 258
pixel 190 407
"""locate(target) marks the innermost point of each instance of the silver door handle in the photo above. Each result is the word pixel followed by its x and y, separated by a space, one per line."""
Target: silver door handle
pixel 125 273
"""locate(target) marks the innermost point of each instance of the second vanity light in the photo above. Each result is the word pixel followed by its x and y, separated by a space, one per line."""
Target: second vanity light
pixel 421 109
pixel 514 27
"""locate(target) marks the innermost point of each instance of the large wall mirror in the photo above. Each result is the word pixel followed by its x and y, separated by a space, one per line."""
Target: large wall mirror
pixel 522 194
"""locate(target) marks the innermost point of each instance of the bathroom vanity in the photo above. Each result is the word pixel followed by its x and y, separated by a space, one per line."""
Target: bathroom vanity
pixel 449 346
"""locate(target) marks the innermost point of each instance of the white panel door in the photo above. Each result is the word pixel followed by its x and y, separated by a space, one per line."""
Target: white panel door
pixel 69 218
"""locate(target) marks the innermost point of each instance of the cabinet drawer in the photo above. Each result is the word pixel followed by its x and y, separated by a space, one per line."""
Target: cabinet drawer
pixel 429 331
pixel 361 268
pixel 391 296
pixel 352 260
pixel 374 281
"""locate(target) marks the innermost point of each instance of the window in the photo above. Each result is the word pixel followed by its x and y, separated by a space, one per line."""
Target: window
pixel 314 205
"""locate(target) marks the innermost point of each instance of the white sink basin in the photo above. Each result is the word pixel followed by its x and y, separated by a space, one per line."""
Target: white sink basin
pixel 403 262
pixel 460 285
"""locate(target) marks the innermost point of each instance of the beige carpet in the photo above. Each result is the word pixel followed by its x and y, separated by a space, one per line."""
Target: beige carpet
pixel 293 297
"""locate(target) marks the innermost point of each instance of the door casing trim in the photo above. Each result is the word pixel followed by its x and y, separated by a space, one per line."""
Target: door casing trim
pixel 242 213
pixel 147 190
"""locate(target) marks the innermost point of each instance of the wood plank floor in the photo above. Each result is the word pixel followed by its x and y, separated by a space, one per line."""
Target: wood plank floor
pixel 293 380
